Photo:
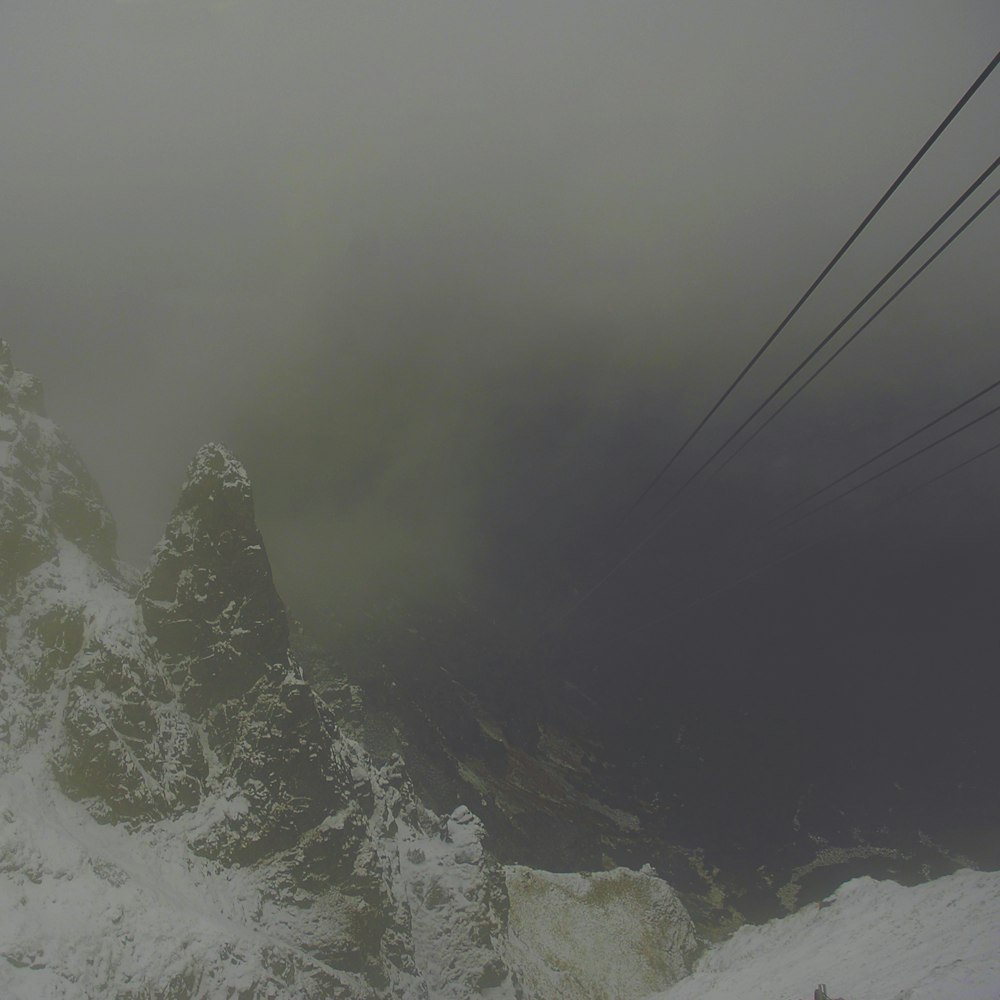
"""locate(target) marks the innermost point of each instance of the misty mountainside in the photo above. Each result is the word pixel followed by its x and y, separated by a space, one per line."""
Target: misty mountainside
pixel 544 785
pixel 181 815
pixel 726 813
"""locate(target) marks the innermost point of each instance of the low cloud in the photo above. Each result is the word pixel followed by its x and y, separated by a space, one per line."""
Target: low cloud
pixel 456 279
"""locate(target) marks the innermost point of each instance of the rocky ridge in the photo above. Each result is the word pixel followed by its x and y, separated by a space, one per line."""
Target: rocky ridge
pixel 168 776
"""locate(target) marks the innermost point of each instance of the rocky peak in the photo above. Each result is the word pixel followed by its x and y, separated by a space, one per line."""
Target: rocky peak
pixel 45 489
pixel 217 487
pixel 19 389
pixel 208 598
pixel 6 363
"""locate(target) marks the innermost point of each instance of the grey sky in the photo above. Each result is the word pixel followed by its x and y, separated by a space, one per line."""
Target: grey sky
pixel 450 274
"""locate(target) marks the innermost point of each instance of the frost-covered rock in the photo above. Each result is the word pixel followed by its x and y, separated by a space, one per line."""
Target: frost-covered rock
pixel 128 746
pixel 278 743
pixel 459 907
pixel 613 935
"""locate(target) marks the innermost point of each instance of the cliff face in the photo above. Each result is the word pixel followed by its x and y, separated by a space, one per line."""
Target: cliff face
pixel 171 784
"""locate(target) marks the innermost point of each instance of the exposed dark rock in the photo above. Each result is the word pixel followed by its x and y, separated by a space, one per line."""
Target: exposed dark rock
pixel 58 637
pixel 127 744
pixel 26 534
pixel 208 598
pixel 277 744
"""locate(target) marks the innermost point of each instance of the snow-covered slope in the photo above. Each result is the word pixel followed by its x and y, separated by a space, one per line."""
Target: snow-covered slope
pixel 96 910
pixel 869 941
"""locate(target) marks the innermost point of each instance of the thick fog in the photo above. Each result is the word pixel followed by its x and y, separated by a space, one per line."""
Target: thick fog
pixel 455 279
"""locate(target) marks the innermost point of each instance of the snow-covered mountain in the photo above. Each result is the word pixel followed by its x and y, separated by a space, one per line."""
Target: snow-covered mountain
pixel 182 816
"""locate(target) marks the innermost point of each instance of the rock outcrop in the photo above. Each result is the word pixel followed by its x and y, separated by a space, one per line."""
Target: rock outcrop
pixel 616 933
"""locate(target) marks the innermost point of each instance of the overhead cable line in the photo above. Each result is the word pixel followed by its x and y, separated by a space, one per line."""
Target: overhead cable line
pixel 891 468
pixel 947 472
pixel 826 270
pixel 885 451
pixel 658 527
pixel 878 312
pixel 969 191
pixel 648 537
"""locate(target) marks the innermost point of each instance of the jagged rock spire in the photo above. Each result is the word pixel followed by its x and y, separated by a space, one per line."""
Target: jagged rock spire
pixel 208 597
